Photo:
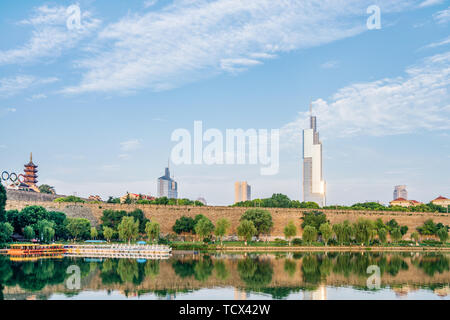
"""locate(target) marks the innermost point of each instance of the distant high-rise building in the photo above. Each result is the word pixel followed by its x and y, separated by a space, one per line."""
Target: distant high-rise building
pixel 167 187
pixel 314 187
pixel 242 191
pixel 400 192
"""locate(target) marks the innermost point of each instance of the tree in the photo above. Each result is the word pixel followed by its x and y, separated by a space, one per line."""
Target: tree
pixel 262 220
pixel 314 219
pixel 415 236
pixel 45 188
pixel 382 235
pixel 128 229
pixel 290 231
pixel 309 234
pixel 152 229
pixel 45 230
pixel 108 233
pixel 94 233
pixel 246 230
pixel 326 231
pixel 364 231
pixel 79 228
pixel 396 235
pixel 29 233
pixel 442 233
pixel 344 232
pixel 204 228
pixel 222 227
pixel 6 231
pixel 31 216
pixel 2 203
pixel 183 224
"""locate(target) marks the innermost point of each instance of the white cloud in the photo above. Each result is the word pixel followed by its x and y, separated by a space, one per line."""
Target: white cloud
pixel 150 3
pixel 13 85
pixel 130 145
pixel 418 101
pixel 428 3
pixel 189 40
pixel 330 64
pixel 442 16
pixel 438 44
pixel 50 35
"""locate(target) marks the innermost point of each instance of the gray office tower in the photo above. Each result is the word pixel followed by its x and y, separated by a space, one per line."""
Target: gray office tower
pixel 167 187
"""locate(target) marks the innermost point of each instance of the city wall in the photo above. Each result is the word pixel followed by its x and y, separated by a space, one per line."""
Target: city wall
pixel 167 215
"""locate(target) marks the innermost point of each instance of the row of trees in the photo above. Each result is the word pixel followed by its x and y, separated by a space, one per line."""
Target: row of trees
pixel 157 201
pixel 282 201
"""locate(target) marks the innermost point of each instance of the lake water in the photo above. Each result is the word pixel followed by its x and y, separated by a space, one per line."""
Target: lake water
pixel 293 276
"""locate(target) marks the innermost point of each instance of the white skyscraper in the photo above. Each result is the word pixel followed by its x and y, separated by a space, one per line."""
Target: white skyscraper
pixel 314 187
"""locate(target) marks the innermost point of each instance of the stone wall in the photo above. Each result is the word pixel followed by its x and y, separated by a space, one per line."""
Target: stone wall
pixel 30 196
pixel 166 215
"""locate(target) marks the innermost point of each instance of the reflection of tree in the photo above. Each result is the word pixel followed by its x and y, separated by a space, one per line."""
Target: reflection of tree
pixel 152 268
pixel 128 270
pixel 203 268
pixel 254 272
pixel 108 272
pixel 290 266
pixel 184 269
pixel 434 263
pixel 311 270
pixel 395 265
pixel 221 270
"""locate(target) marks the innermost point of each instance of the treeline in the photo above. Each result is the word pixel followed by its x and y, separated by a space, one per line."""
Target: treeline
pixel 158 201
pixel 279 200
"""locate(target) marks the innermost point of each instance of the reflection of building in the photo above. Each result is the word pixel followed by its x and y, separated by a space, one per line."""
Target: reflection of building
pixel 240 295
pixel 400 192
pixel 242 191
pixel 319 294
pixel 401 202
pixel 314 187
pixel 167 187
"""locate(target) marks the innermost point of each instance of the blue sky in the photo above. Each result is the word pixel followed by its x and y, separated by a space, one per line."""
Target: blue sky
pixel 97 105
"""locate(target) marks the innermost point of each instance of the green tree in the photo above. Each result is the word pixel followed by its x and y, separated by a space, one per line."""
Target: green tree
pixel 309 234
pixel 6 231
pixel 382 235
pixel 29 233
pixel 128 229
pixel 415 236
pixel 184 224
pixel 108 233
pixel 344 232
pixel 204 228
pixel 326 231
pixel 364 231
pixel 45 188
pixel 262 220
pixel 246 230
pixel 290 230
pixel 45 230
pixel 152 229
pixel 79 228
pixel 222 227
pixel 94 233
pixel 314 219
pixel 396 235
pixel 2 203
pixel 442 233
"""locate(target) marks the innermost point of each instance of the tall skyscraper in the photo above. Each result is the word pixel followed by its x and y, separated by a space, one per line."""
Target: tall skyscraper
pixel 242 191
pixel 400 192
pixel 314 187
pixel 167 187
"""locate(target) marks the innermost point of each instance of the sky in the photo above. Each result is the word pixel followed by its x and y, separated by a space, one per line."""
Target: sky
pixel 97 99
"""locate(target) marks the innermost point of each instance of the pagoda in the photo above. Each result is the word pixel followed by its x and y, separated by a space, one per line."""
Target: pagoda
pixel 30 177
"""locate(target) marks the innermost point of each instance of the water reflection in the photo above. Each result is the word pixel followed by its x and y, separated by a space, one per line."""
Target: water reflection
pixel 275 276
